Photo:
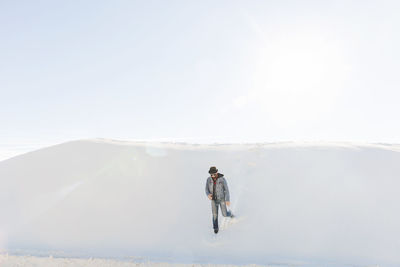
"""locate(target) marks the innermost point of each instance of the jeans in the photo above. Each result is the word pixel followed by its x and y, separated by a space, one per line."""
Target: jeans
pixel 214 207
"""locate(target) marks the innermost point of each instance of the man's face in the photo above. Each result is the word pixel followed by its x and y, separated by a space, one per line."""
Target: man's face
pixel 214 175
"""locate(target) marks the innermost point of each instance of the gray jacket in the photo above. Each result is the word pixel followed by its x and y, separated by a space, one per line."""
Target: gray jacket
pixel 221 187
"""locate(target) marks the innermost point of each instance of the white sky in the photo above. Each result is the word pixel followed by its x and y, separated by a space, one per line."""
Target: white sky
pixel 198 71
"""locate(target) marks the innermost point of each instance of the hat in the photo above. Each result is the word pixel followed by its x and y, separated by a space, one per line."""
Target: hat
pixel 213 169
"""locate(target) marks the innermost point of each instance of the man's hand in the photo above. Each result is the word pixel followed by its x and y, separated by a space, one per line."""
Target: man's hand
pixel 228 203
pixel 210 196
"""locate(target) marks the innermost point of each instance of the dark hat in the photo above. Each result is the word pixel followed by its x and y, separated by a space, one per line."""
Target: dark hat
pixel 213 169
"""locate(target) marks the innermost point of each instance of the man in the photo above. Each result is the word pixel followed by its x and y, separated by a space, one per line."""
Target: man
pixel 218 192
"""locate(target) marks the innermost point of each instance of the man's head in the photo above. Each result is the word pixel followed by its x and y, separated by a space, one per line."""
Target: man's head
pixel 213 171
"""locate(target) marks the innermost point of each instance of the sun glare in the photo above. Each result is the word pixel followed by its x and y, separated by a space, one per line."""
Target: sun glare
pixel 299 79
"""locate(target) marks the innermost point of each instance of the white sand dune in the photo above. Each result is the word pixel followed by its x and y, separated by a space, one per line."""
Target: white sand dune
pixel 300 203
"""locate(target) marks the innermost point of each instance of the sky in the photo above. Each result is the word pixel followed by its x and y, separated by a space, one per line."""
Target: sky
pixel 198 71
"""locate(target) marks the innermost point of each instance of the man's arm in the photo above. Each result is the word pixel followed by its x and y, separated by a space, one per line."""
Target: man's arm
pixel 207 189
pixel 226 191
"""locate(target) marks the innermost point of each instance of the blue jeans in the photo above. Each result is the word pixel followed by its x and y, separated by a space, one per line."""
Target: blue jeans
pixel 214 207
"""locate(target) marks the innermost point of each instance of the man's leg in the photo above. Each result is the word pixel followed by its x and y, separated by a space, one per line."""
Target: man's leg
pixel 214 207
pixel 225 213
